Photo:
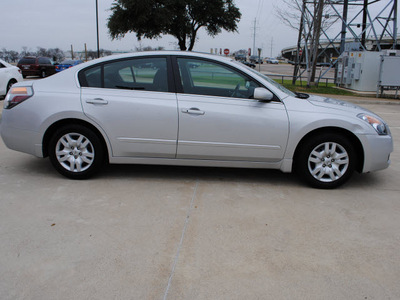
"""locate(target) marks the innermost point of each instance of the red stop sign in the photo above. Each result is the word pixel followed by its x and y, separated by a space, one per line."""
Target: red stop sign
pixel 226 51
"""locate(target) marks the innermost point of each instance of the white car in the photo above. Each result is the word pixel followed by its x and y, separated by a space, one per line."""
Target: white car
pixel 9 75
pixel 272 61
pixel 156 108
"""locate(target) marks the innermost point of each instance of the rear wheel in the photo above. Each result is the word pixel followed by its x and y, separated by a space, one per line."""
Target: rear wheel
pixel 76 152
pixel 326 161
pixel 43 73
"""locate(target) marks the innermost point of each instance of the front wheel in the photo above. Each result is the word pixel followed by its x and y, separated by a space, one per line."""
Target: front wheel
pixel 76 152
pixel 326 161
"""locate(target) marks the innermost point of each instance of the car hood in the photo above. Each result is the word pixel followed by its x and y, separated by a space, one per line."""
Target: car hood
pixel 335 104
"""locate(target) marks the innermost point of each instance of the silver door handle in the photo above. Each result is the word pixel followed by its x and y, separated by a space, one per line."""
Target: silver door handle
pixel 193 111
pixel 97 101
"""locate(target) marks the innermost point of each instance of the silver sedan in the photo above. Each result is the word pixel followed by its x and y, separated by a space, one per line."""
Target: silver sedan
pixel 191 109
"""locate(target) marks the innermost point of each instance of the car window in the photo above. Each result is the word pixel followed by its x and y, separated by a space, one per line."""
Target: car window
pixel 2 66
pixel 149 74
pixel 209 78
pixel 67 62
pixel 91 77
pixel 43 60
pixel 27 61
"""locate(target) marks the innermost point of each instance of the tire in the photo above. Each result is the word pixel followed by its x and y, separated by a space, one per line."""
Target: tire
pixel 76 152
pixel 23 76
pixel 326 161
pixel 43 73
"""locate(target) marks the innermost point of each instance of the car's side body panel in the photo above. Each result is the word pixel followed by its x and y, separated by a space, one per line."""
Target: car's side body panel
pixel 138 123
pixel 177 128
pixel 231 129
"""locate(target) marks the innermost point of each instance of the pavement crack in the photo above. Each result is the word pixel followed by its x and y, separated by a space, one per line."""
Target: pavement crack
pixel 189 211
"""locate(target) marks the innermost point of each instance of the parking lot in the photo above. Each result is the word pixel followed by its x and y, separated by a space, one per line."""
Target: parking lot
pixel 152 232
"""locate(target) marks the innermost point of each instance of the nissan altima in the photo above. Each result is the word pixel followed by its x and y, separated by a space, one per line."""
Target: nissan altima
pixel 190 109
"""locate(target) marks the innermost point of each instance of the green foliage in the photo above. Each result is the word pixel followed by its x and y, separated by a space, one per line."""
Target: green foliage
pixel 179 18
pixel 322 88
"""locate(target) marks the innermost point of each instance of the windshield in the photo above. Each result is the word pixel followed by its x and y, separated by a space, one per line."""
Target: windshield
pixel 273 82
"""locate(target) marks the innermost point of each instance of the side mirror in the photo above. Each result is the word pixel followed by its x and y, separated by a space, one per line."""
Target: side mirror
pixel 262 94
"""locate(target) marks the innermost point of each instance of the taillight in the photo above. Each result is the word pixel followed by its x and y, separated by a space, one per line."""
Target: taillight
pixel 17 95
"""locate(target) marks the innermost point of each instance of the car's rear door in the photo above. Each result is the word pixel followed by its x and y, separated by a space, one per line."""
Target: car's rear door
pixel 134 103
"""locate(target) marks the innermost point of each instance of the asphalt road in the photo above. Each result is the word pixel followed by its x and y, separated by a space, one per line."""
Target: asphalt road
pixel 150 232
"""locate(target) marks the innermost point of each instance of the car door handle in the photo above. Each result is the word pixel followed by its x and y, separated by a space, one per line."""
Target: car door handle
pixel 193 111
pixel 97 101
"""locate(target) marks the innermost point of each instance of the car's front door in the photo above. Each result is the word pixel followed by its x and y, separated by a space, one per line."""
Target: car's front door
pixel 131 101
pixel 218 120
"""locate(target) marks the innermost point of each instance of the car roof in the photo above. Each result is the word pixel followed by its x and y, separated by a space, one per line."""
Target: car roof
pixel 158 53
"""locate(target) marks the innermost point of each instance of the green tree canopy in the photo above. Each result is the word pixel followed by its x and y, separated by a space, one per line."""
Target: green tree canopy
pixel 179 18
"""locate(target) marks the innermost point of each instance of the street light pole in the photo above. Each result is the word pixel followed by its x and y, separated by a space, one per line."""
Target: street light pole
pixel 97 27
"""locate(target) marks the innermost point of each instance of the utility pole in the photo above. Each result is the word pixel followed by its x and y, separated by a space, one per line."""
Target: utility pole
pixel 272 43
pixel 97 27
pixel 72 52
pixel 254 37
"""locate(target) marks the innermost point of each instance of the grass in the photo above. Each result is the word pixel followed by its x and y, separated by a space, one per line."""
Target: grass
pixel 323 88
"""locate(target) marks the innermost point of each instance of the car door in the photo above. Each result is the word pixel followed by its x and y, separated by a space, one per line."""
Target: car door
pixel 131 101
pixel 218 120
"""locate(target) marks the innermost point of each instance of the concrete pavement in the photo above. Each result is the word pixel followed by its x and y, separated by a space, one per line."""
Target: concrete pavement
pixel 150 232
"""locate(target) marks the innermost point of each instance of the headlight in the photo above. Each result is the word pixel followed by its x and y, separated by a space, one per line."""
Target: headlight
pixel 378 125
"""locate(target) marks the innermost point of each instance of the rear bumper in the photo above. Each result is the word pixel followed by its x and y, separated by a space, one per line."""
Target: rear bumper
pixel 30 72
pixel 21 140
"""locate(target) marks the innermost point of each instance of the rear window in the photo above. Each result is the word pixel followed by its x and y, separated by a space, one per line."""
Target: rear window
pixel 27 61
pixel 68 62
pixel 44 60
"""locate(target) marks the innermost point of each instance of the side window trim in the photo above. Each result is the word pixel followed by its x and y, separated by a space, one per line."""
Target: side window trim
pixel 178 79
pixel 170 73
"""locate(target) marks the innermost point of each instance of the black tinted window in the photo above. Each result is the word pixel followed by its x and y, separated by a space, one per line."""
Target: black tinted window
pixel 27 61
pixel 2 66
pixel 44 61
pixel 91 77
pixel 149 74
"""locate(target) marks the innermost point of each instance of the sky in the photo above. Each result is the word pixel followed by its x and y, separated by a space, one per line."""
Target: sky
pixel 62 23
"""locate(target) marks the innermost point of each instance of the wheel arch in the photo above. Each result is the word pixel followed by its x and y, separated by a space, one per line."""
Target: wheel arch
pixel 55 126
pixel 335 130
pixel 12 81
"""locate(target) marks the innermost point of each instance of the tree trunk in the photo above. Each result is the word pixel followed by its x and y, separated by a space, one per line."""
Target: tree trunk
pixel 182 43
pixel 193 39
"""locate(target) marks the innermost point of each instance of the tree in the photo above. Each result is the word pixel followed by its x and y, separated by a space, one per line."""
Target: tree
pixel 179 18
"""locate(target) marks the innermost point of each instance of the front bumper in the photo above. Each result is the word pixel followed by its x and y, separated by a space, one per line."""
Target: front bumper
pixel 377 150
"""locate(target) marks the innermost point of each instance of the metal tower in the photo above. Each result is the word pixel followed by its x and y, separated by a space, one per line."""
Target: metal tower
pixel 369 25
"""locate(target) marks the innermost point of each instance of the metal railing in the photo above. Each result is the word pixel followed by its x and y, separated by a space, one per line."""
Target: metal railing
pixel 326 80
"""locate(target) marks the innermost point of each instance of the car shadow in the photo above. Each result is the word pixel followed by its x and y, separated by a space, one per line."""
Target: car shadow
pixel 43 168
pixel 199 173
